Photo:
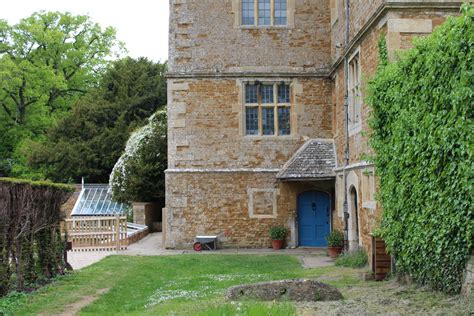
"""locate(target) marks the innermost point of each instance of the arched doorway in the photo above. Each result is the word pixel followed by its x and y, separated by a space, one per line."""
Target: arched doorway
pixel 313 219
pixel 354 215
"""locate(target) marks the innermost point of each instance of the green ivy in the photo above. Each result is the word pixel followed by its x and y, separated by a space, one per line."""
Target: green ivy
pixel 422 122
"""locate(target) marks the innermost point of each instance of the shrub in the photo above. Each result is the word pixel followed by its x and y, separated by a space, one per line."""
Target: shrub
pixel 335 239
pixel 277 233
pixel 422 122
pixel 355 259
pixel 139 173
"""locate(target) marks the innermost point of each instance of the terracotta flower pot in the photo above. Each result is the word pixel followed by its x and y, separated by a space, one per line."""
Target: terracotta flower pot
pixel 334 252
pixel 277 244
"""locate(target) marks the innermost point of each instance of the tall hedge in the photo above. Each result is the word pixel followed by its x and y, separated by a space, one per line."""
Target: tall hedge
pixel 422 121
pixel 31 245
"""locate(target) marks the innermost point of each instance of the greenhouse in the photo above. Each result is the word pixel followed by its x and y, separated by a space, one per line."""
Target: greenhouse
pixel 96 200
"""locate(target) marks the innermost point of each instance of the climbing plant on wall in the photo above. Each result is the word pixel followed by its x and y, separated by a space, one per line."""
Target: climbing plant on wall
pixel 422 122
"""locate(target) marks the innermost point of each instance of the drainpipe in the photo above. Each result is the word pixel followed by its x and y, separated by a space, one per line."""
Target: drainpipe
pixel 346 125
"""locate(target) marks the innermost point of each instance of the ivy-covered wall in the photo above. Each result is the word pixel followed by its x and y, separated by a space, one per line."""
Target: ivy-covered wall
pixel 422 122
pixel 31 245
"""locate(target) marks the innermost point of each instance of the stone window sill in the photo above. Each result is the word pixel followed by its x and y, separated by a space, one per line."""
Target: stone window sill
pixel 259 137
pixel 371 205
pixel 264 27
pixel 355 129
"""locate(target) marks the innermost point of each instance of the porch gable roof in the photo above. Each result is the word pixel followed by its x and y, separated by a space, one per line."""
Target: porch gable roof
pixel 315 160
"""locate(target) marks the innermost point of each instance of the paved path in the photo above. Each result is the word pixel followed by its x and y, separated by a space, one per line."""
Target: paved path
pixel 152 246
pixel 79 260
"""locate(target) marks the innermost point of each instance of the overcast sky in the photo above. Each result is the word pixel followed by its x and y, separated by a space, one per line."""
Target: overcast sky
pixel 141 24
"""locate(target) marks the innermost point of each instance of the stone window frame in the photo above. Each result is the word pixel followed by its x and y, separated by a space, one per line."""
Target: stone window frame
pixel 368 198
pixel 251 192
pixel 334 11
pixel 355 89
pixel 275 105
pixel 290 15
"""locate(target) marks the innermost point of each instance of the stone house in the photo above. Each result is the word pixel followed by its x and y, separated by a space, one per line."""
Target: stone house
pixel 266 115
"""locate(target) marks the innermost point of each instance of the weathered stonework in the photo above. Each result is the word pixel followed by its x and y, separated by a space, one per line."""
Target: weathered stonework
pixel 217 203
pixel 222 182
pixel 146 214
pixel 399 22
pixel 203 38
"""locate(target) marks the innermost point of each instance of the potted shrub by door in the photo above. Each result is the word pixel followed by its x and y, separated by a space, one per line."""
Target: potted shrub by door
pixel 277 234
pixel 335 243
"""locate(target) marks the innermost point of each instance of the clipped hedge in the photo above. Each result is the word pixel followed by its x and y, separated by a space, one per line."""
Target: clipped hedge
pixel 31 246
pixel 422 121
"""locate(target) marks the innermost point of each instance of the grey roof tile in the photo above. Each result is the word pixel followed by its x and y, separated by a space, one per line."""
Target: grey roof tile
pixel 316 159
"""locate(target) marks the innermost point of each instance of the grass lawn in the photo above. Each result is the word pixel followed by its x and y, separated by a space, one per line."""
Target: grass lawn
pixel 196 284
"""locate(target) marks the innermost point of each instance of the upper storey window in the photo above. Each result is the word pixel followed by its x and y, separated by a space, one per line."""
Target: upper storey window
pixel 264 12
pixel 248 12
pixel 267 109
pixel 355 96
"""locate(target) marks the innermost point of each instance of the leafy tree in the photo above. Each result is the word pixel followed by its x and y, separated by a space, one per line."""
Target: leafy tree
pixel 90 139
pixel 422 122
pixel 47 61
pixel 139 173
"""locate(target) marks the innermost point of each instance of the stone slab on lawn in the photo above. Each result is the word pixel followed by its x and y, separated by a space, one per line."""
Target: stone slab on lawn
pixel 294 290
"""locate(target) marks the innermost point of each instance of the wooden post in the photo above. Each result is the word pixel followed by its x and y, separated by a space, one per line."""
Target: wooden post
pixel 117 231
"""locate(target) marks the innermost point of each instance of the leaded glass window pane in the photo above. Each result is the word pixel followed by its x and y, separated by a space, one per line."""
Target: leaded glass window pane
pixel 264 12
pixel 267 93
pixel 280 12
pixel 268 121
pixel 248 12
pixel 251 120
pixel 251 94
pixel 283 93
pixel 284 127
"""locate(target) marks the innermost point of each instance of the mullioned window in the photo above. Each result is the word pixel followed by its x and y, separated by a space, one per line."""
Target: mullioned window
pixel 264 12
pixel 267 109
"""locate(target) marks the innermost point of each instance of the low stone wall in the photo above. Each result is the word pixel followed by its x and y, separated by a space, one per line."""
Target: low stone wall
pixel 146 214
pixel 293 290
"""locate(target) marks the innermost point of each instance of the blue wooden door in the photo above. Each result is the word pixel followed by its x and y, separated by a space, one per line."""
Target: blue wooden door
pixel 313 219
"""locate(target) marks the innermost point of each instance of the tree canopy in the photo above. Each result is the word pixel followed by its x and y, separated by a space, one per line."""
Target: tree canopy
pixel 139 173
pixel 91 137
pixel 47 61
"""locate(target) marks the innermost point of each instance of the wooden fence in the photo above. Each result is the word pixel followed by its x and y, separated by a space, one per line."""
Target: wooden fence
pixel 381 260
pixel 97 233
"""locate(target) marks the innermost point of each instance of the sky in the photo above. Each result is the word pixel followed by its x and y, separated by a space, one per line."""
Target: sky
pixel 141 24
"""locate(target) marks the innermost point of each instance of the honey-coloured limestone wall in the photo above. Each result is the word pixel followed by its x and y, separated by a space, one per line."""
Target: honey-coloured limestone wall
pixel 239 207
pixel 398 27
pixel 205 37
pixel 206 124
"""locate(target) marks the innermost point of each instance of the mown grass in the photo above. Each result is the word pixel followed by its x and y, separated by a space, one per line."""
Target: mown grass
pixel 356 259
pixel 188 284
pixel 196 285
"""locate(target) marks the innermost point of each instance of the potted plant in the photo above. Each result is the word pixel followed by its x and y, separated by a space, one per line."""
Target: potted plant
pixel 335 243
pixel 277 234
